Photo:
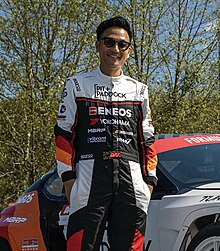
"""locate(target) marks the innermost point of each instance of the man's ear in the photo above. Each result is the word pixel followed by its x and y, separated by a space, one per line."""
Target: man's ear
pixel 129 52
pixel 97 46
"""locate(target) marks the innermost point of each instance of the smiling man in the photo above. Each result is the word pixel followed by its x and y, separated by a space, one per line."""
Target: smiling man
pixel 104 148
pixel 113 46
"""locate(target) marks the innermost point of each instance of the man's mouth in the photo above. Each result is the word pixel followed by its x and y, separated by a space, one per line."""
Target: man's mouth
pixel 113 56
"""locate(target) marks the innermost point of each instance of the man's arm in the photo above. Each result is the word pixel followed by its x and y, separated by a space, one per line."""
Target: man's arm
pixel 64 136
pixel 151 188
pixel 68 187
pixel 150 153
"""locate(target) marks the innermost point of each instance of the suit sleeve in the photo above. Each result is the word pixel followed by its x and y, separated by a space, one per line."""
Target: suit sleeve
pixel 65 134
pixel 150 157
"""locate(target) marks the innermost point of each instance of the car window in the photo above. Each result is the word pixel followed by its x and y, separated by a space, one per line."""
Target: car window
pixel 192 165
pixel 54 186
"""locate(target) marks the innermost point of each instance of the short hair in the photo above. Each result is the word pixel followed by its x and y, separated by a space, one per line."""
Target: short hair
pixel 113 22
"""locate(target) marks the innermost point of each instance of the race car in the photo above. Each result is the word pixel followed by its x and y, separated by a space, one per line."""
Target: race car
pixel 183 215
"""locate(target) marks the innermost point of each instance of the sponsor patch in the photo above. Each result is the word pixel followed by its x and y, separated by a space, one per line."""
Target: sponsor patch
pixel 94 121
pixel 114 155
pixel 115 111
pixel 61 117
pixel 114 122
pixel 64 94
pixel 143 88
pixel 96 140
pixel 30 244
pixel 77 85
pixel 96 130
pixel 92 111
pixel 25 199
pixel 14 219
pixel 104 91
pixel 111 155
pixel 201 139
pixel 62 108
pixel 87 156
pixel 123 132
pixel 126 141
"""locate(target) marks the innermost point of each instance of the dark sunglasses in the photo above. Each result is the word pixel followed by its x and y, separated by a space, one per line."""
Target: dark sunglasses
pixel 110 42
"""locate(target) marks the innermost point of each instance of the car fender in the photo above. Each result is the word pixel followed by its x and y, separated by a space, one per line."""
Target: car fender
pixel 23 214
pixel 9 238
pixel 209 210
pixel 214 209
pixel 170 218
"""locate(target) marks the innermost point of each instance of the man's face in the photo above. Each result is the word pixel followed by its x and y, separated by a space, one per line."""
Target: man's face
pixel 112 58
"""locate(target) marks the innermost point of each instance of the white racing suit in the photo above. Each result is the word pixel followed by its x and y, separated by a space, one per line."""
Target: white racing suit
pixel 104 140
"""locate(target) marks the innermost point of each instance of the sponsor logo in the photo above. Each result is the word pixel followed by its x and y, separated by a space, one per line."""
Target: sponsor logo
pixel 205 169
pixel 110 111
pixel 203 139
pixel 65 210
pixel 15 220
pixel 77 85
pixel 114 155
pixel 150 121
pixel 61 117
pixel 96 130
pixel 103 91
pixel 111 155
pixel 123 132
pixel 94 121
pixel 114 122
pixel 126 141
pixel 86 156
pixel 210 198
pixel 142 90
pixel 96 140
pixel 25 199
pixel 62 108
pixel 30 244
pixel 64 94
pixel 92 110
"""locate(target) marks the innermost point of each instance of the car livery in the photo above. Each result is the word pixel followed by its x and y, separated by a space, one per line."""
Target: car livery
pixel 15 218
pixel 183 215
pixel 31 223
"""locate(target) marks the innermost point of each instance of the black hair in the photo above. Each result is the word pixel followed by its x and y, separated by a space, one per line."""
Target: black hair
pixel 114 21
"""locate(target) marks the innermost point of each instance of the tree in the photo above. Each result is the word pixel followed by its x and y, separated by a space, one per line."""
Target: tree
pixel 42 42
pixel 175 55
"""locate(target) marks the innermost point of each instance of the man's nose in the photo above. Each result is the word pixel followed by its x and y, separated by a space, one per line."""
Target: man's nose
pixel 116 47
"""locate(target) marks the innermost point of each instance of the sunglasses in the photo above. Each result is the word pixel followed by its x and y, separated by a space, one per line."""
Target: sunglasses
pixel 110 42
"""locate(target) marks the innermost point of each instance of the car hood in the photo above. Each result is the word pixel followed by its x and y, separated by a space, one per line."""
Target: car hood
pixel 210 186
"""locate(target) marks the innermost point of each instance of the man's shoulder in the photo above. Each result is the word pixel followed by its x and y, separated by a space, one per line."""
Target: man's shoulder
pixel 134 81
pixel 82 76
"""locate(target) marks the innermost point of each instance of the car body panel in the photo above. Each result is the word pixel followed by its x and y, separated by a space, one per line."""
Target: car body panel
pixel 181 210
pixel 167 144
pixel 23 214
pixel 40 215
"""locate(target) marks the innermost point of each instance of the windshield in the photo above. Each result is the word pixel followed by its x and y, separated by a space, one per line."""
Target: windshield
pixel 192 165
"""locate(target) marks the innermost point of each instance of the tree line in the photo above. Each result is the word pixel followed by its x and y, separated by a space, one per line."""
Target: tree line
pixel 175 51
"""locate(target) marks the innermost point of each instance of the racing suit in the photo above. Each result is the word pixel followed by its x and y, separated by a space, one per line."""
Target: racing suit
pixel 104 140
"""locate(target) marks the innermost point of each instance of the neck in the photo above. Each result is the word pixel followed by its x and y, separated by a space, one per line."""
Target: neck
pixel 111 72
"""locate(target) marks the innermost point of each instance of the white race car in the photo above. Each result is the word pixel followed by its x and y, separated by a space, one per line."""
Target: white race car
pixel 184 213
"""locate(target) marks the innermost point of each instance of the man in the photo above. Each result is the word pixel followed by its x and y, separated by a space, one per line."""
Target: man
pixel 104 148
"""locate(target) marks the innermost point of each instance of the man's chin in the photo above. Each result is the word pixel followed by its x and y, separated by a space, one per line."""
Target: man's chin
pixel 115 65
